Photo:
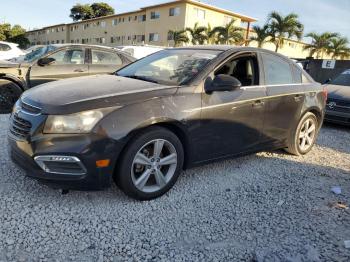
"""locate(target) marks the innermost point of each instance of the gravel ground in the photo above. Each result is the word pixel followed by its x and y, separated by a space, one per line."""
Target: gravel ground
pixel 265 207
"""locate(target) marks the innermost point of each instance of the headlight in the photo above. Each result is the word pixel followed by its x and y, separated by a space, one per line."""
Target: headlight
pixel 77 123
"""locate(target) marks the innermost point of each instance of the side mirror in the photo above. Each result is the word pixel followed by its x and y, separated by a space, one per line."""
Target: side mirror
pixel 222 83
pixel 46 61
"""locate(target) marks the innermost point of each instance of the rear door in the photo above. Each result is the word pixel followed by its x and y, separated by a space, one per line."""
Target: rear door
pixel 286 96
pixel 104 61
pixel 68 62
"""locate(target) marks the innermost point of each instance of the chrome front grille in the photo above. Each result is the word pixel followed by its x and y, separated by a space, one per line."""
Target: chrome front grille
pixel 20 127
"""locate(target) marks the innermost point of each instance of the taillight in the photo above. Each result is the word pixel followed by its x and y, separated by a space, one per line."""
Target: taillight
pixel 325 94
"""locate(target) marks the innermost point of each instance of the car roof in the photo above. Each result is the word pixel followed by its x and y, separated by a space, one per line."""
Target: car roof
pixel 8 43
pixel 225 48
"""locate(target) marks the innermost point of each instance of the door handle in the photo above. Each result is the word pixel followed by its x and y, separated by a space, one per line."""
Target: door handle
pixel 79 70
pixel 258 103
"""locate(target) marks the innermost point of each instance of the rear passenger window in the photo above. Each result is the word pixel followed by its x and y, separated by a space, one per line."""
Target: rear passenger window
pixel 277 71
pixel 105 58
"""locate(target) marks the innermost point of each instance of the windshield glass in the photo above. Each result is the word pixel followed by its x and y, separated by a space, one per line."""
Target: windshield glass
pixel 343 79
pixel 37 53
pixel 169 67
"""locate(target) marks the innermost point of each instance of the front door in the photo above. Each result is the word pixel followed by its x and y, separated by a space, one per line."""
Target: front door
pixel 232 120
pixel 68 62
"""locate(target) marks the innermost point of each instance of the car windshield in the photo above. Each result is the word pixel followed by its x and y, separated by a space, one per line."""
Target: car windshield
pixel 37 53
pixel 169 67
pixel 343 79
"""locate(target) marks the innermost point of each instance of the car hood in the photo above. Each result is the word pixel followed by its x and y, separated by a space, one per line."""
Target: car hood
pixel 338 92
pixel 8 64
pixel 91 92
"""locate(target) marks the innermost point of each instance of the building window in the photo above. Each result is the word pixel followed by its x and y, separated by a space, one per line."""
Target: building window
pixel 62 29
pixel 57 41
pixel 57 29
pixel 48 31
pixel 200 13
pixel 129 18
pixel 129 37
pixel 123 19
pixel 62 41
pixel 153 37
pixel 52 30
pixel 170 36
pixel 174 11
pixel 103 23
pixel 227 20
pixel 135 18
pixel 155 15
pixel 114 22
pixel 85 26
pixel 142 18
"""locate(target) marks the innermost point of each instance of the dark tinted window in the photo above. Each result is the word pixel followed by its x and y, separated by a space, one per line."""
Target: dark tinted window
pixel 277 71
pixel 343 79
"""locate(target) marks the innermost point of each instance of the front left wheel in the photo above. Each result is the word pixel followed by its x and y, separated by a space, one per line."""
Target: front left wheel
pixel 9 94
pixel 151 164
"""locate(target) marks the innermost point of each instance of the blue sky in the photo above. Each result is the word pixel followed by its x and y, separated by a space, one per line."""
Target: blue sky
pixel 316 15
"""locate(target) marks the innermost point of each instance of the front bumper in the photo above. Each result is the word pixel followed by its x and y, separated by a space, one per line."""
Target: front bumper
pixel 337 117
pixel 88 148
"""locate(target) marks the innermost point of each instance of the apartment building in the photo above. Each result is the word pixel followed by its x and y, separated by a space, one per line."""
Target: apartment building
pixel 150 25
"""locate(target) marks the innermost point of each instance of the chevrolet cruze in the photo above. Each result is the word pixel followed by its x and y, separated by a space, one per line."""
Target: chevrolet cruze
pixel 172 110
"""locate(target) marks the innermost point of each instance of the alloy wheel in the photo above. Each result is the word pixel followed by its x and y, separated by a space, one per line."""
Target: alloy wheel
pixel 307 134
pixel 154 165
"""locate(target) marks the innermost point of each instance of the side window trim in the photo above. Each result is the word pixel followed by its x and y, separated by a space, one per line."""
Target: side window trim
pixel 65 49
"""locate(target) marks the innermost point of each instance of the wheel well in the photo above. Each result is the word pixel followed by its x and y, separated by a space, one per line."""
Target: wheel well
pixel 17 83
pixel 318 115
pixel 171 127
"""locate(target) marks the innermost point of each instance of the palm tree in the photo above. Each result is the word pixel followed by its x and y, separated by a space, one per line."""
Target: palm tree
pixel 320 43
pixel 178 37
pixel 211 35
pixel 261 35
pixel 282 27
pixel 338 47
pixel 198 34
pixel 229 33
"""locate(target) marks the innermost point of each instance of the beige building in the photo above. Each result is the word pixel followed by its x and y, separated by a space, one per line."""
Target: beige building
pixel 150 25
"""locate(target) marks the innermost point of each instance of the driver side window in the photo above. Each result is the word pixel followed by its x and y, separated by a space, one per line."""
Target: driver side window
pixel 68 56
pixel 244 68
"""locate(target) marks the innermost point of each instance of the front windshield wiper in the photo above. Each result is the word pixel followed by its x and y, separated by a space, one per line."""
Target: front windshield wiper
pixel 143 78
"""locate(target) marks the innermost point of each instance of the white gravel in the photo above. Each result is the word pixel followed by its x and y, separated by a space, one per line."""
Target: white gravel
pixel 265 207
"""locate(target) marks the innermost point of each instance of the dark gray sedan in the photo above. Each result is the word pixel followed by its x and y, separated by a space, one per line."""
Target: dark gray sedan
pixel 54 62
pixel 338 103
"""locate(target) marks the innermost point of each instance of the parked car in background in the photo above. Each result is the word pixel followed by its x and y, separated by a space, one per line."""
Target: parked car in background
pixel 338 104
pixel 140 51
pixel 174 109
pixel 9 50
pixel 54 62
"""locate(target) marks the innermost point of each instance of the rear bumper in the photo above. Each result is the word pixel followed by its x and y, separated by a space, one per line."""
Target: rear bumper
pixel 87 148
pixel 337 117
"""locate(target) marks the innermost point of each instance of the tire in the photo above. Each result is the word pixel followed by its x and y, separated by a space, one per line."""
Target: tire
pixel 301 142
pixel 9 94
pixel 145 173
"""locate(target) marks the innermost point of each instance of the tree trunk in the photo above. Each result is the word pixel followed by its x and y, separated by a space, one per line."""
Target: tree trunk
pixel 277 46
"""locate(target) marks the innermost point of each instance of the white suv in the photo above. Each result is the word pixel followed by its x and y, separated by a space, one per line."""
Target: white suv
pixel 9 50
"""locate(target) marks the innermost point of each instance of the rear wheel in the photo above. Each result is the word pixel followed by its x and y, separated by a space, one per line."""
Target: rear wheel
pixel 9 94
pixel 150 165
pixel 303 138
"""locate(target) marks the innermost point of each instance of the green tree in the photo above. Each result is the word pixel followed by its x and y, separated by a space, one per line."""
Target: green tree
pixel 178 37
pixel 262 35
pixel 338 48
pixel 229 34
pixel 14 34
pixel 320 43
pixel 282 27
pixel 102 9
pixel 81 12
pixel 212 36
pixel 198 34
